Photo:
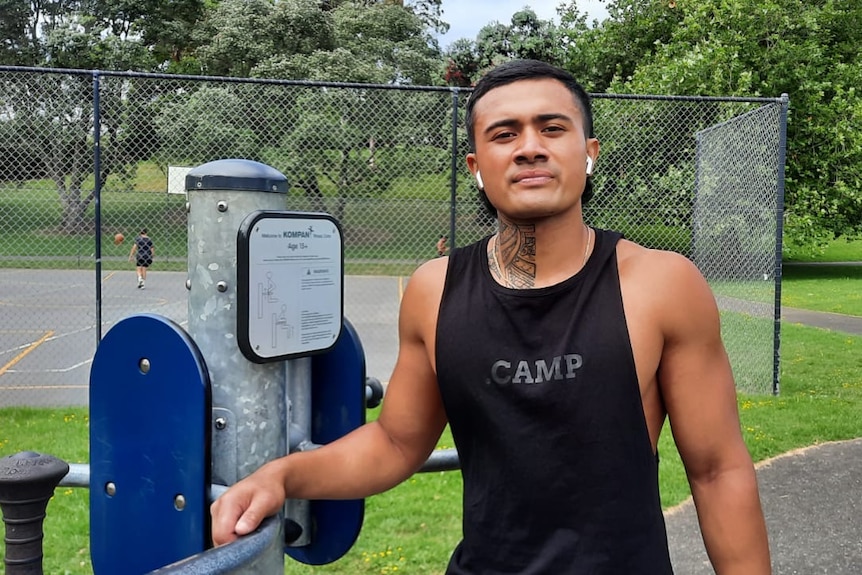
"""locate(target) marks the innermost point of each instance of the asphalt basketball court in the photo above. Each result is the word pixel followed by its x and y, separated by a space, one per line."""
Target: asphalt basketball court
pixel 48 322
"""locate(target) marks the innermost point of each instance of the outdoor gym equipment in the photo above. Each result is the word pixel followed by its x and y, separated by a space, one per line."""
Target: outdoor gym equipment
pixel 267 365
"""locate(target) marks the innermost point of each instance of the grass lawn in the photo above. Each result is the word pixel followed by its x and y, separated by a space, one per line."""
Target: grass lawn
pixel 836 289
pixel 831 288
pixel 840 250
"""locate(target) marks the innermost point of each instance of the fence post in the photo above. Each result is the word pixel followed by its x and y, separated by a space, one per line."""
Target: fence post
pixel 249 404
pixel 27 482
pixel 453 177
pixel 97 199
pixel 779 246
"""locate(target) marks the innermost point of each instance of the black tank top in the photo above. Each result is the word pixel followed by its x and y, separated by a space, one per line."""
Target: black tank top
pixel 542 397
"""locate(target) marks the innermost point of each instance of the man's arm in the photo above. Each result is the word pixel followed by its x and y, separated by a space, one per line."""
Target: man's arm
pixel 699 394
pixel 371 459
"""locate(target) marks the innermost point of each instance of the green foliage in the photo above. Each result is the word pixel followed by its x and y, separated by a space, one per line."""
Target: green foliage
pixel 325 138
pixel 430 12
pixel 235 36
pixel 167 28
pixel 616 47
pixel 526 36
pixel 731 48
pixel 49 119
pixel 369 42
pixel 17 28
pixel 808 50
pixel 210 123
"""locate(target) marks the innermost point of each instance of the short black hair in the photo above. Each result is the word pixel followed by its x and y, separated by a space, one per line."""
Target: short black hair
pixel 515 71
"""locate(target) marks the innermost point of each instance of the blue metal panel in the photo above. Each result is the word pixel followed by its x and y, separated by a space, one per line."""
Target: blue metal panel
pixel 149 443
pixel 338 407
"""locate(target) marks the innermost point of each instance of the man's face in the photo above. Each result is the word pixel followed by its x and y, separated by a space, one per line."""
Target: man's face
pixel 531 149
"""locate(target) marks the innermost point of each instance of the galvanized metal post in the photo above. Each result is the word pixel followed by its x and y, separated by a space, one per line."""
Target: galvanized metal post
pixel 249 413
pixel 298 377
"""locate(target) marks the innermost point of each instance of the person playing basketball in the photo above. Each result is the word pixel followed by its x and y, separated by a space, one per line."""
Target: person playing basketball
pixel 143 251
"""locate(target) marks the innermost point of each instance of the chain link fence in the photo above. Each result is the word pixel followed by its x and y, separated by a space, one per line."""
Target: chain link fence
pixel 701 176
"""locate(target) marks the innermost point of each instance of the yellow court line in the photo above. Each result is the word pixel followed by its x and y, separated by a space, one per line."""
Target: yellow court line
pixel 109 276
pixel 400 288
pixel 21 355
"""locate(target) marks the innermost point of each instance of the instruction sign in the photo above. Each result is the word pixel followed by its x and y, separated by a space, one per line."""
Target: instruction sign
pixel 290 287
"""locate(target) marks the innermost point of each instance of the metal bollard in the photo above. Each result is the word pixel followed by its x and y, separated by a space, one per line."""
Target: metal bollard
pixel 27 482
pixel 249 406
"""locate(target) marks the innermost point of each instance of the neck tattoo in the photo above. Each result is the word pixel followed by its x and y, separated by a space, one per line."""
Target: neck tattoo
pixel 512 255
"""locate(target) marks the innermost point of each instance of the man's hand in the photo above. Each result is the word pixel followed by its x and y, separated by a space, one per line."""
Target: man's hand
pixel 245 505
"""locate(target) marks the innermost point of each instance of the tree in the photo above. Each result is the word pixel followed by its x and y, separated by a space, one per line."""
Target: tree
pixel 613 49
pixel 527 36
pixel 167 28
pixel 238 35
pixel 20 45
pixel 804 49
pixel 163 26
pixel 41 122
pixel 429 12
pixel 235 36
pixel 48 119
pixel 211 124
pixel 338 138
pixel 390 37
pixel 48 126
pixel 462 63
pixel 243 38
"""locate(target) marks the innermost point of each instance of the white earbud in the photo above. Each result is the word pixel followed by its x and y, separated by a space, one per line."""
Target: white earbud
pixel 589 166
pixel 479 181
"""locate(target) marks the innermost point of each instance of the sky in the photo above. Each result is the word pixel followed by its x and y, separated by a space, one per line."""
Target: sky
pixel 467 17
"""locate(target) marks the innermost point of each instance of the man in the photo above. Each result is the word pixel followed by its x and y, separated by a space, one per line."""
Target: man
pixel 442 248
pixel 555 351
pixel 143 251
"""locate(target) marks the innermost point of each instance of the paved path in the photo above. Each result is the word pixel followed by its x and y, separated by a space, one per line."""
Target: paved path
pixel 834 321
pixel 812 499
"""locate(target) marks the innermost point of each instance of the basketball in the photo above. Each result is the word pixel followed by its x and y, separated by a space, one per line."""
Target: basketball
pixel 118 239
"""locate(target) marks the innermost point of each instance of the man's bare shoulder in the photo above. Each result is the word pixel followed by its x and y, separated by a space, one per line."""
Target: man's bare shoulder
pixel 656 268
pixel 424 290
pixel 429 276
pixel 664 285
